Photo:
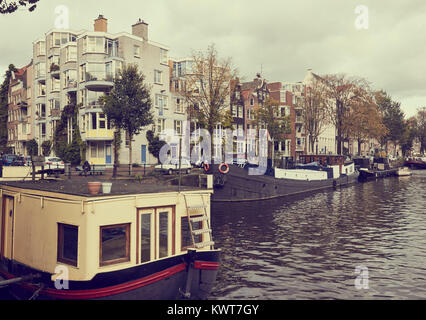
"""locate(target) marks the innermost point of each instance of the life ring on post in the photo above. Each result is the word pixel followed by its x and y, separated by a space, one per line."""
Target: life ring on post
pixel 206 166
pixel 224 168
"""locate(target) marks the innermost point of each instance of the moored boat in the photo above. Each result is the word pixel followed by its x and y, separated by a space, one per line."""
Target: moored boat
pixel 403 171
pixel 141 241
pixel 329 171
pixel 415 164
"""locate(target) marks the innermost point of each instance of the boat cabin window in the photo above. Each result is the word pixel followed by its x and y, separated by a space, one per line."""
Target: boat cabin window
pixel 146 236
pixel 164 233
pixel 114 244
pixel 67 244
pixel 186 239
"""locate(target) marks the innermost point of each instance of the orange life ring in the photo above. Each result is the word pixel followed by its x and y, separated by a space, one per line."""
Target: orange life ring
pixel 224 171
pixel 206 166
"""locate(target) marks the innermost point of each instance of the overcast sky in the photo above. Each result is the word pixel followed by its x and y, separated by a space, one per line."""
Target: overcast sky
pixel 281 38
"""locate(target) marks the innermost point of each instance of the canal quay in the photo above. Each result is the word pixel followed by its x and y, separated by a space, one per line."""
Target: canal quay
pixel 364 241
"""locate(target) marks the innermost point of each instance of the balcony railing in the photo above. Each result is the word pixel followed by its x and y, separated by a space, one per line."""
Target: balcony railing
pixel 99 81
pixel 99 76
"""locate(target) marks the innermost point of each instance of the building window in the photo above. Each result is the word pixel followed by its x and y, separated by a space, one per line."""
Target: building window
pixel 158 76
pixel 101 121
pixel 234 111
pixel 179 105
pixel 114 244
pixel 94 44
pixel 252 102
pixel 178 127
pixel 163 56
pixel 136 51
pixel 161 123
pixel 67 244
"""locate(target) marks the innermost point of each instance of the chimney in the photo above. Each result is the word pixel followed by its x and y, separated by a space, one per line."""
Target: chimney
pixel 101 24
pixel 140 29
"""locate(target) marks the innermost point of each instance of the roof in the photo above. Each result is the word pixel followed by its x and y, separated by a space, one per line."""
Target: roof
pixel 78 186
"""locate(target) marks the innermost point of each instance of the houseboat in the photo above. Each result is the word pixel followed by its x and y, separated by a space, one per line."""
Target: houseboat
pixel 379 168
pixel 140 241
pixel 314 172
pixel 416 163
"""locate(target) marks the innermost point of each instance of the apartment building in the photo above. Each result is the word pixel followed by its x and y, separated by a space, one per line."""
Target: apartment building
pixel 78 67
pixel 326 143
pixel 176 116
pixel 20 115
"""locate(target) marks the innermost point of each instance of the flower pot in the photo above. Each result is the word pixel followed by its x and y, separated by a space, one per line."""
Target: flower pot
pixel 106 187
pixel 94 187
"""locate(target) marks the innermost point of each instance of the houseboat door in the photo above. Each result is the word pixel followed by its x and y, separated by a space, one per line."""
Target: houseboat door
pixel 6 228
pixel 156 234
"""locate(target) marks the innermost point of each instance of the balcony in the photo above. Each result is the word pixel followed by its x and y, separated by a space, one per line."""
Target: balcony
pixel 99 134
pixel 55 114
pixel 99 81
pixel 71 85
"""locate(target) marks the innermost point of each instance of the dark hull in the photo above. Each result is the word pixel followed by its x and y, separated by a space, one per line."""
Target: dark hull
pixel 415 165
pixel 365 175
pixel 166 279
pixel 239 186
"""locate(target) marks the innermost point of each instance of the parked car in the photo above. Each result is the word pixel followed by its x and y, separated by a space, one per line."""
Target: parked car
pixel 173 166
pixel 53 163
pixel 18 161
pixel 8 159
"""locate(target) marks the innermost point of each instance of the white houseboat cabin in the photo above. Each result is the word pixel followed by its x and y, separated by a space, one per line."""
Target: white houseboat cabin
pixel 141 241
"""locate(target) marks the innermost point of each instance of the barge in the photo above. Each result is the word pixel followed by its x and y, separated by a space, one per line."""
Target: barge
pixel 329 171
pixel 141 241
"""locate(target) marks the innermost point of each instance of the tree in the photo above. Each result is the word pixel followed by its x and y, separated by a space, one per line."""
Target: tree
pixel 341 91
pixel 128 105
pixel 407 139
pixel 269 116
pixel 364 120
pixel 207 90
pixel 155 144
pixel 393 119
pixel 11 7
pixel 32 147
pixel 46 147
pixel 4 106
pixel 314 111
pixel 420 130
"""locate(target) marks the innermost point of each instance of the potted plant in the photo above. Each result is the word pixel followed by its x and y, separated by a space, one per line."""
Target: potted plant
pixel 94 187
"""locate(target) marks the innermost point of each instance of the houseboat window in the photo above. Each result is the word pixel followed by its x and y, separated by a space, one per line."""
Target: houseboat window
pixel 115 244
pixel 146 237
pixel 186 239
pixel 164 237
pixel 67 244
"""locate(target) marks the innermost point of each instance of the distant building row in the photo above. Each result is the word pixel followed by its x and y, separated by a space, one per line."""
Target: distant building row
pixel 77 67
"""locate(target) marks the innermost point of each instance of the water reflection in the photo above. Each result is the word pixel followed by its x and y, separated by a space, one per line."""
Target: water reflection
pixel 308 247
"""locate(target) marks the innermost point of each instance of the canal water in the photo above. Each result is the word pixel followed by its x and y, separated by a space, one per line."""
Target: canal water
pixel 365 241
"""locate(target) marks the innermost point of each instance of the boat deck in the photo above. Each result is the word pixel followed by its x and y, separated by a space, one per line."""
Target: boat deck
pixel 79 187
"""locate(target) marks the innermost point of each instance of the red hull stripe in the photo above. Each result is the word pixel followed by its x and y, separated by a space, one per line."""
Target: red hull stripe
pixel 113 290
pixel 120 288
pixel 206 265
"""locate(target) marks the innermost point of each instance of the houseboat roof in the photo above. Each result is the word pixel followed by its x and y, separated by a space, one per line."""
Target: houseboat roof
pixel 79 187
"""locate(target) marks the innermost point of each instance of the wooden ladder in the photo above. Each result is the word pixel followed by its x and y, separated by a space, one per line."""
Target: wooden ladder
pixel 205 227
